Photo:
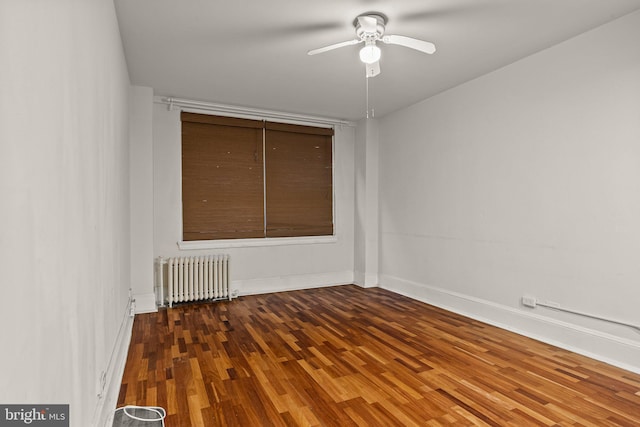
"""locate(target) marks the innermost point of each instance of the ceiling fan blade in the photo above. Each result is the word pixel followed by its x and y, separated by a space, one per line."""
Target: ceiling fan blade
pixel 373 69
pixel 333 46
pixel 447 13
pixel 368 23
pixel 410 42
pixel 296 30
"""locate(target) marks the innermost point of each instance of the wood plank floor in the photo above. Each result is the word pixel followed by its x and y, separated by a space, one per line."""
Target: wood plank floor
pixel 347 356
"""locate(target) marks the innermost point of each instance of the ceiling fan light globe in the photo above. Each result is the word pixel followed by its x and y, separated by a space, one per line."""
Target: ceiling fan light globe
pixel 370 53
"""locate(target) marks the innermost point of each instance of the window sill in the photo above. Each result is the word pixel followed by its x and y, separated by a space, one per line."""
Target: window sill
pixel 249 243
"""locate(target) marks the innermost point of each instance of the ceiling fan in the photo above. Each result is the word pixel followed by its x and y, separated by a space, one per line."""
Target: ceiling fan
pixel 369 30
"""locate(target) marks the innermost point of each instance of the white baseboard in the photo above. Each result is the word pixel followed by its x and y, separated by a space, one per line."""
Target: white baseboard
pixel 365 280
pixel 371 281
pixel 617 351
pixel 291 283
pixel 145 303
pixel 359 278
pixel 104 412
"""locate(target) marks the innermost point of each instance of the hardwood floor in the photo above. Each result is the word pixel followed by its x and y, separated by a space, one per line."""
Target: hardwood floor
pixel 347 356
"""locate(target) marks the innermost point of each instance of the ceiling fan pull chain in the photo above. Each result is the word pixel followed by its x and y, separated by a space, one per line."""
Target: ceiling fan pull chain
pixel 366 79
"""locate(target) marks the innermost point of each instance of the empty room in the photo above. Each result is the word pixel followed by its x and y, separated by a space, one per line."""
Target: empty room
pixel 340 213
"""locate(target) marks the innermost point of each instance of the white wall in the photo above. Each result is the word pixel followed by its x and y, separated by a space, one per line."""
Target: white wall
pixel 525 181
pixel 256 269
pixel 141 197
pixel 64 221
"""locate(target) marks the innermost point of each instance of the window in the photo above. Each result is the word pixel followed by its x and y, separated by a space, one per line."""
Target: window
pixel 253 179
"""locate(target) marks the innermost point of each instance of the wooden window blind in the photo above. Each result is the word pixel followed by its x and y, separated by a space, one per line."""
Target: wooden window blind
pixel 231 191
pixel 299 195
pixel 222 178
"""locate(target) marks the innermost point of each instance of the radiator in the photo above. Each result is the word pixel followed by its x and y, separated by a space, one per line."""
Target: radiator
pixel 195 278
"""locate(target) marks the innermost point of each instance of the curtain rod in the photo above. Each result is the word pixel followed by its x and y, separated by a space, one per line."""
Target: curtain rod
pixel 221 108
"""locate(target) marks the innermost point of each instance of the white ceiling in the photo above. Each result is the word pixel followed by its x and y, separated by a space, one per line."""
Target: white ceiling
pixel 252 53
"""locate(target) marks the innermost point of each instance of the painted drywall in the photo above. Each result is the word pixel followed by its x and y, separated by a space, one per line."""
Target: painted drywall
pixel 366 204
pixel 525 181
pixel 141 197
pixel 64 221
pixel 262 269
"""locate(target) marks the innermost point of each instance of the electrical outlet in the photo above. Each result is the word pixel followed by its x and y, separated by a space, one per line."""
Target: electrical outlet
pixel 529 301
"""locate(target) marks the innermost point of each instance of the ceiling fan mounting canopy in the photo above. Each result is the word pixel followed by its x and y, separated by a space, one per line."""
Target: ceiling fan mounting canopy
pixel 370 28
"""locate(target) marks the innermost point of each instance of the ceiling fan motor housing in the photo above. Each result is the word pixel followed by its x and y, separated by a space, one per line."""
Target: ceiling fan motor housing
pixel 375 30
